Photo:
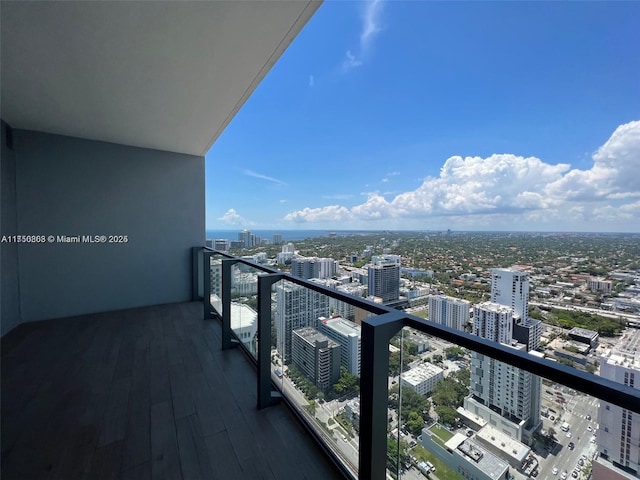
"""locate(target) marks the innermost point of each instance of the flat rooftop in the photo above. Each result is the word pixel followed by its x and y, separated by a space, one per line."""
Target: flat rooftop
pixel 421 373
pixel 510 446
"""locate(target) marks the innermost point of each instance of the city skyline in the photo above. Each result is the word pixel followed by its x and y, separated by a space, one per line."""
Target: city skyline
pixel 515 122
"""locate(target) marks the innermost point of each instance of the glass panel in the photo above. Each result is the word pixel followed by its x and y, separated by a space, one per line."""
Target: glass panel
pixel 215 271
pixel 316 363
pixel 199 273
pixel 466 415
pixel 244 306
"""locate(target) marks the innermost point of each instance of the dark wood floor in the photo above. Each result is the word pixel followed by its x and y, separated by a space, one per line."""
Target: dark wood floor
pixel 142 394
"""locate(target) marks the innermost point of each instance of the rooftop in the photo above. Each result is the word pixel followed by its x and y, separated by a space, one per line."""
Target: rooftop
pixel 342 326
pixel 421 373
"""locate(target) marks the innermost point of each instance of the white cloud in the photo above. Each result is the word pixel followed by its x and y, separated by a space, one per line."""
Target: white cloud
pixel 615 173
pixel 351 61
pixel 508 190
pixel 312 81
pixel 371 23
pixel 231 217
pixel 251 173
pixel 333 213
pixel 371 26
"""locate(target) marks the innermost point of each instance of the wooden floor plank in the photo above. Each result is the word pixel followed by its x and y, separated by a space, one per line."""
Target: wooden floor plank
pixel 140 394
pixel 164 445
pixel 194 458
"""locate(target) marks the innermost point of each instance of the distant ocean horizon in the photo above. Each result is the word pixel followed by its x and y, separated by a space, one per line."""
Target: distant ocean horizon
pixel 298 235
pixel 287 235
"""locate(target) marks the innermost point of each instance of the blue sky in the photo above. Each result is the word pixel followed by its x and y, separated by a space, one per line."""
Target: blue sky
pixel 435 115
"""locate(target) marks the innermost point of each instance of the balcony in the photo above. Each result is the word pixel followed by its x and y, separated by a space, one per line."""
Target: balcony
pixel 161 392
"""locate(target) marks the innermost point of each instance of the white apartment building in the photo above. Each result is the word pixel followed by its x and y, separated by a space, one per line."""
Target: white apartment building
pixel 243 283
pixel 449 311
pixel 510 287
pixel 618 438
pixel 296 307
pixel 493 321
pixel 244 323
pixel 498 389
pixel 347 334
pixel 423 378
pixel 599 285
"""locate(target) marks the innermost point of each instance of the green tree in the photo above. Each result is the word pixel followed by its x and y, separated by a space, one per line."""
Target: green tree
pixel 415 422
pixel 463 376
pixel 449 392
pixel 394 461
pixel 347 383
pixel 412 402
pixel 446 414
pixel 454 352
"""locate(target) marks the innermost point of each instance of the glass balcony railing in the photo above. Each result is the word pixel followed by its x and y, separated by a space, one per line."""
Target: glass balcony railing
pixel 391 395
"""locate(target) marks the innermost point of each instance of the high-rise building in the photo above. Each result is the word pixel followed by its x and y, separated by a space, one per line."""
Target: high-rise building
pixel 618 437
pixel 246 238
pixel 277 239
pixel 296 307
pixel 510 287
pixel 502 394
pixel 449 311
pixel 347 335
pixel 313 267
pixel 317 356
pixel 384 277
pixel 493 321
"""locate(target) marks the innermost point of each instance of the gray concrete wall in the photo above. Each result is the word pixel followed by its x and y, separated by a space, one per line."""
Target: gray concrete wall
pixel 70 186
pixel 9 286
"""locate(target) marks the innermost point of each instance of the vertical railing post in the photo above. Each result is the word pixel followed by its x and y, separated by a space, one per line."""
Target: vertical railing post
pixel 206 284
pixel 227 339
pixel 266 396
pixel 374 393
pixel 196 276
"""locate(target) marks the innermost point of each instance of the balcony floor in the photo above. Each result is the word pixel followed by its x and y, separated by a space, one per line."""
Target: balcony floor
pixel 140 394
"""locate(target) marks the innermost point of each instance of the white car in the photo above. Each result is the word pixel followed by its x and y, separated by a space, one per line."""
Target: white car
pixel 568 434
pixel 564 475
pixel 555 470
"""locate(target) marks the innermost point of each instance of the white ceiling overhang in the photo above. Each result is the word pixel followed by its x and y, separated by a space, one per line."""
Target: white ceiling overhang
pixel 167 75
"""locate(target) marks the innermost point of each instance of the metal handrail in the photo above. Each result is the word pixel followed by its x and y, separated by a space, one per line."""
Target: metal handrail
pixel 376 333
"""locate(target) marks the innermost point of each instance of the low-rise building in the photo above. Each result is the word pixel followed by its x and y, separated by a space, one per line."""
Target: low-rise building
pixel 583 335
pixel 503 446
pixel 423 378
pixel 466 457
